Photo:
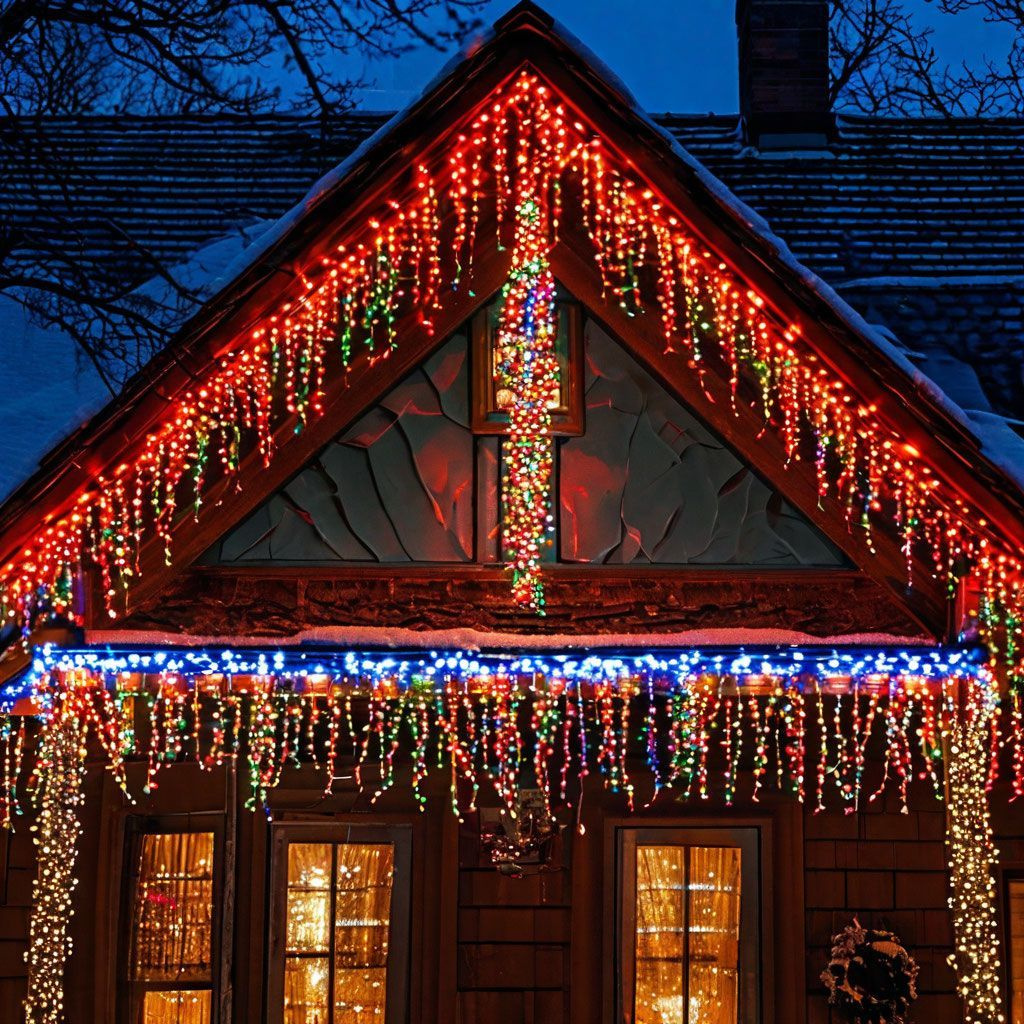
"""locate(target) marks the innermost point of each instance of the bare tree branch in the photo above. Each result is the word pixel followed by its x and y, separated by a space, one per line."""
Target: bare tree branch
pixel 884 63
pixel 78 273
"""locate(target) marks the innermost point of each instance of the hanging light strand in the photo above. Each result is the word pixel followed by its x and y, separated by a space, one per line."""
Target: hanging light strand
pixel 528 157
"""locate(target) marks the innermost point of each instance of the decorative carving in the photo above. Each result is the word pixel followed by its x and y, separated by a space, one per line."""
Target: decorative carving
pixel 646 484
pixel 519 844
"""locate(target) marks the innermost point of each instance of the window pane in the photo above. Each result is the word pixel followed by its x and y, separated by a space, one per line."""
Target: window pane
pixel 306 982
pixel 309 898
pixel 660 934
pixel 1017 951
pixel 687 935
pixel 362 920
pixel 173 921
pixel 176 1008
pixel 338 916
pixel 714 933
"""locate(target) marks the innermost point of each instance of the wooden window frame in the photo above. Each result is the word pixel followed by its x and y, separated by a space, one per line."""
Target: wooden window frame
pixel 485 418
pixel 129 990
pixel 284 834
pixel 1008 876
pixel 748 840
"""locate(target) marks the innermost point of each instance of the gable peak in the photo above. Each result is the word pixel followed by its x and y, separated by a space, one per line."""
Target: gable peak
pixel 525 14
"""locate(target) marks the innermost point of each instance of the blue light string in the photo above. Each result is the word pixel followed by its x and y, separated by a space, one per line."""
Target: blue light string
pixel 660 669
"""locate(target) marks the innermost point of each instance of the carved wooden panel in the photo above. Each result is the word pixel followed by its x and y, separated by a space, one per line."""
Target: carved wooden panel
pixel 398 486
pixel 645 484
pixel 649 484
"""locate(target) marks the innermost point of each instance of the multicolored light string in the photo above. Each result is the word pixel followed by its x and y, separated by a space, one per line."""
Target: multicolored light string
pixel 60 771
pixel 969 714
pixel 521 161
pixel 386 715
pixel 699 716
pixel 528 373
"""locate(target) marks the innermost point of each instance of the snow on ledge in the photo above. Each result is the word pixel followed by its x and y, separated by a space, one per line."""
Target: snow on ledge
pixel 477 640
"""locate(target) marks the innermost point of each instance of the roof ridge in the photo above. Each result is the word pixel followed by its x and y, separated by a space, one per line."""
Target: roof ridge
pixel 849 118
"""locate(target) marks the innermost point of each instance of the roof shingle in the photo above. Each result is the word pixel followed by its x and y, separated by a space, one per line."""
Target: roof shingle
pixel 919 224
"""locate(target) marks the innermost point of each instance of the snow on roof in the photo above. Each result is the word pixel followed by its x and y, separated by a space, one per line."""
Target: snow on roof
pixel 911 229
pixel 483 640
pixel 51 388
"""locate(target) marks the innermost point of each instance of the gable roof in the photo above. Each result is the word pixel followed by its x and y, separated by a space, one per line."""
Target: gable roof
pixel 918 224
pixel 738 234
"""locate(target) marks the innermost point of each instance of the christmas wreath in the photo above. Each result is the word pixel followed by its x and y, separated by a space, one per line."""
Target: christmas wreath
pixel 871 977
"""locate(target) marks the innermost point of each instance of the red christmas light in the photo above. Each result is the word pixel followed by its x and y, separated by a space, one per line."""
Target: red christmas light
pixel 528 157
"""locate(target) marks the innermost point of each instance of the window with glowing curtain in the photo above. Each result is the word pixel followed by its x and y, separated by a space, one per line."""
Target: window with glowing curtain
pixel 170 959
pixel 1015 942
pixel 688 926
pixel 342 938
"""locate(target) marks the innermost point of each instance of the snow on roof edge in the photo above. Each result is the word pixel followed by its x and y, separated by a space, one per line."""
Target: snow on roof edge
pixel 478 640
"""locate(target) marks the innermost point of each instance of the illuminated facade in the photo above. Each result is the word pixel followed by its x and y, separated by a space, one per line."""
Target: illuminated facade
pixel 547 601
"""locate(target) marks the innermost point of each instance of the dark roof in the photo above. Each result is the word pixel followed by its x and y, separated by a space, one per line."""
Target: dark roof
pixel 918 223
pixel 889 197
pixel 170 183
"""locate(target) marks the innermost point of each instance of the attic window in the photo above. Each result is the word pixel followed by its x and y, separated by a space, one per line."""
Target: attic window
pixel 490 404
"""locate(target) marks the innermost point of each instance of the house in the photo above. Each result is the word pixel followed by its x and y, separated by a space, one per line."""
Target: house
pixel 533 586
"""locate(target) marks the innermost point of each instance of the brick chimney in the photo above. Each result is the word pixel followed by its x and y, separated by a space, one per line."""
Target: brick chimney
pixel 784 73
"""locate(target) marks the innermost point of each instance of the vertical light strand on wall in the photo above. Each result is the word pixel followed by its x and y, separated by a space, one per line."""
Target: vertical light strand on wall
pixel 61 770
pixel 528 371
pixel 970 708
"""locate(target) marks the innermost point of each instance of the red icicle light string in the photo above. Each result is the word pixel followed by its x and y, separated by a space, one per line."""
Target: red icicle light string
pixel 528 156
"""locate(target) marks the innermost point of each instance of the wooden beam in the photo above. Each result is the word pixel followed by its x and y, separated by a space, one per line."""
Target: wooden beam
pixel 263 602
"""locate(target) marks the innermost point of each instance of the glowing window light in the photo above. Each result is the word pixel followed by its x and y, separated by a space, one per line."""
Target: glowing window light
pixel 338 915
pixel 172 928
pixel 687 935
pixel 1015 936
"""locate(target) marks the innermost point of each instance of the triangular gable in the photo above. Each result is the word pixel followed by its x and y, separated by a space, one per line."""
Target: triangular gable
pixel 781 365
pixel 646 483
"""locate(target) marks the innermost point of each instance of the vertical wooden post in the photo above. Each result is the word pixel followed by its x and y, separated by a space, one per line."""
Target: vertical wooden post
pixel 227 913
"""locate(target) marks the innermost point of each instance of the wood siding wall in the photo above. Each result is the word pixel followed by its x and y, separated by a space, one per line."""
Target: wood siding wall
pixel 487 949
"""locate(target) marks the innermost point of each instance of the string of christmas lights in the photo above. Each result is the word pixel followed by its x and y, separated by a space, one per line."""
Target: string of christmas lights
pixel 526 156
pixel 973 899
pixel 60 770
pixel 699 717
pixel 528 373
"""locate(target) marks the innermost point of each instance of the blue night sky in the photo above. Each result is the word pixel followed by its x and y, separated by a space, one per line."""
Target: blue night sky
pixel 677 55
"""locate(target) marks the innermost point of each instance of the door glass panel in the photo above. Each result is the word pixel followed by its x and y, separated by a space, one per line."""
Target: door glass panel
pixel 310 866
pixel 337 932
pixel 363 918
pixel 306 986
pixel 1016 950
pixel 176 1007
pixel 687 935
